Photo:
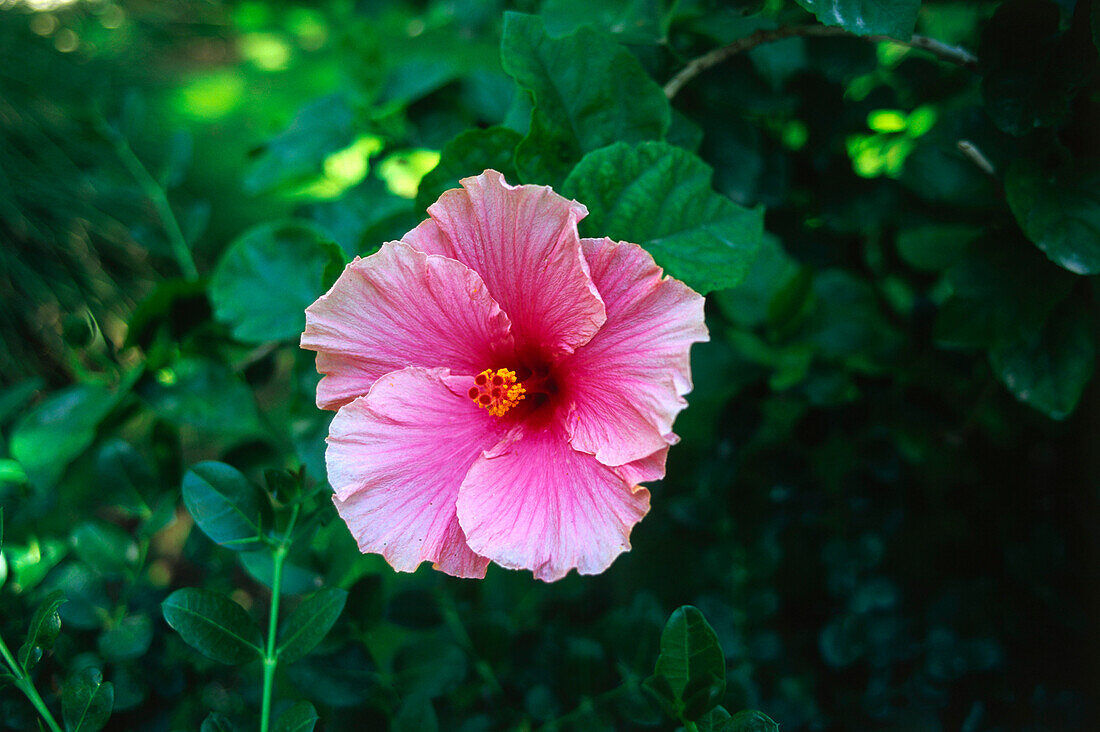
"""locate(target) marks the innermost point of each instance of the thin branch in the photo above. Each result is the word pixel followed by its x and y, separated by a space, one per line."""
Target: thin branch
pixel 942 51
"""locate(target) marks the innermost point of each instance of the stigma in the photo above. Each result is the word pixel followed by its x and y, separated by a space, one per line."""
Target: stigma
pixel 496 391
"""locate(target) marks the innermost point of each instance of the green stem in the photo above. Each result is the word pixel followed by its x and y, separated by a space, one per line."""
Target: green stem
pixel 690 726
pixel 155 192
pixel 271 653
pixel 23 683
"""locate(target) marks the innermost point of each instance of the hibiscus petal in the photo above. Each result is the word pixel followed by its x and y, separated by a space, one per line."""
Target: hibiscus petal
pixel 625 387
pixel 397 308
pixel 396 458
pixel 533 502
pixel 523 242
pixel 647 469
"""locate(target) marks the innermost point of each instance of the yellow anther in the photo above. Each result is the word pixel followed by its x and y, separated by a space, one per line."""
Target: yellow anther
pixel 496 391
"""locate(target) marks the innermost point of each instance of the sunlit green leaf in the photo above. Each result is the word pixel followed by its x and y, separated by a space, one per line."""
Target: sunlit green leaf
pixel 660 196
pixel 589 92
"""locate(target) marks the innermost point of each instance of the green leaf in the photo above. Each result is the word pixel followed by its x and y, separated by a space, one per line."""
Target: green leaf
pixel 297 155
pixel 301 717
pixel 660 196
pixel 469 154
pixel 894 18
pixel 1033 69
pixel 59 429
pixel 690 675
pixel 936 247
pixel 295 580
pixel 128 639
pixel 415 715
pixel 43 631
pixel 125 475
pixel 750 720
pixel 86 701
pixel 1060 213
pixel 304 628
pixel 215 722
pixel 213 624
pixel 268 276
pixel 225 505
pixel 716 720
pixel 1049 369
pixel 589 92
pixel 104 547
pixel 204 395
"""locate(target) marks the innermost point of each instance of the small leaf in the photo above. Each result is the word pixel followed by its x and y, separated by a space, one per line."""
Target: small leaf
pixel 268 276
pixel 104 547
pixel 125 475
pixel 690 675
pixel 1059 213
pixel 304 628
pixel 128 639
pixel 86 701
pixel 44 629
pixel 750 720
pixel 213 624
pixel 225 505
pixel 215 722
pixel 469 154
pixel 415 715
pixel 295 580
pixel 894 18
pixel 589 92
pixel 301 717
pixel 716 720
pixel 660 196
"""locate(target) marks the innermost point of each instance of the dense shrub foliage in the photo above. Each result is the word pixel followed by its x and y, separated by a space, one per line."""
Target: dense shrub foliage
pixel 881 515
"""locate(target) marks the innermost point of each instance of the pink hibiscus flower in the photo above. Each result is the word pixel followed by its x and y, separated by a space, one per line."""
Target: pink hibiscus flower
pixel 502 385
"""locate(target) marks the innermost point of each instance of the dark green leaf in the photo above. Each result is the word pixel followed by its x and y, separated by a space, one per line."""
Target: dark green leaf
pixel 589 92
pixel 415 715
pixel 1033 68
pixel 215 722
pixel 57 430
pixel 659 196
pixel 125 475
pixel 895 18
pixel 469 154
pixel 365 217
pixel 1049 369
pixel 716 720
pixel 304 628
pixel 1060 213
pixel 750 720
pixel 86 701
pixel 104 547
pixel 204 395
pixel 937 247
pixel 301 717
pixel 225 505
pixel 690 675
pixel 268 276
pixel 43 631
pixel 128 639
pixel 213 624
pixel 295 580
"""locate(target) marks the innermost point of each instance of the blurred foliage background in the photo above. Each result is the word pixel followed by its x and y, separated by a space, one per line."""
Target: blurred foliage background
pixel 885 499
